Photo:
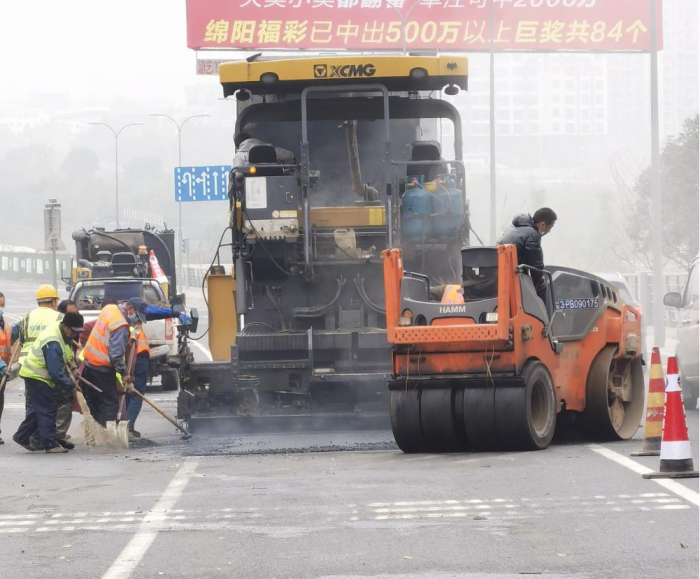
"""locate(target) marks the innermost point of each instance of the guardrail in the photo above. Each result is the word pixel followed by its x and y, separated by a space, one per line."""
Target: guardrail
pixel 32 266
pixel 195 273
pixel 642 288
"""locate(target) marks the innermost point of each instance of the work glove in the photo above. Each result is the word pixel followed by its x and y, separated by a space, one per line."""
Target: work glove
pixel 185 320
pixel 129 386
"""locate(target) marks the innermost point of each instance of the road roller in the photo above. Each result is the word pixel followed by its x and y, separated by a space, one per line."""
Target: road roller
pixel 491 366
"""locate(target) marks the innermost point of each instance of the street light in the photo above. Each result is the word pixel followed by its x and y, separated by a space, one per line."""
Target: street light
pixel 179 164
pixel 116 160
pixel 404 21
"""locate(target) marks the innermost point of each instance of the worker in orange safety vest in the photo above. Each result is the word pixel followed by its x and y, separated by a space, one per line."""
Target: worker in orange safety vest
pixel 104 355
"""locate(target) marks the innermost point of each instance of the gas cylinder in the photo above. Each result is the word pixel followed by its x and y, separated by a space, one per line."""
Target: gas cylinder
pixel 416 208
pixel 448 209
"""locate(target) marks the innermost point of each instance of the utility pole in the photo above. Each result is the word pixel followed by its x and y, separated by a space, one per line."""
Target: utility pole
pixel 116 163
pixel 492 126
pixel 656 231
pixel 52 234
pixel 180 238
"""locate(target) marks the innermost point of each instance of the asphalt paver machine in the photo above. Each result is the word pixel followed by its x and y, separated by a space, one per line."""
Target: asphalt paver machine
pixel 335 163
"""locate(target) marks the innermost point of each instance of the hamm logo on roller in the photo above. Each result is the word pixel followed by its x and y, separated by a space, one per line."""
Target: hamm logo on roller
pixel 344 70
pixel 453 309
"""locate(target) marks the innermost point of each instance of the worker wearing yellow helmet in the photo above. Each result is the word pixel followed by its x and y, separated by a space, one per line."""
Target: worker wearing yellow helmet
pixel 36 321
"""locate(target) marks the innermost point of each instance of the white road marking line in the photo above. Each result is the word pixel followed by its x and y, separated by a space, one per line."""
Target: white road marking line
pixel 131 556
pixel 670 485
pixel 204 350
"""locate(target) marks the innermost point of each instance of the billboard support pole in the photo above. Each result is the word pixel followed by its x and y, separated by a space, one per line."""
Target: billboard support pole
pixel 655 182
pixel 492 126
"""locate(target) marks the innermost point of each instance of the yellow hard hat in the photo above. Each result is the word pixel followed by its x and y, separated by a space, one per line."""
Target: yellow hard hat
pixel 46 292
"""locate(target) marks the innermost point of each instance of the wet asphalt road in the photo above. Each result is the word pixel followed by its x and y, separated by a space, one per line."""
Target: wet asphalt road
pixel 336 504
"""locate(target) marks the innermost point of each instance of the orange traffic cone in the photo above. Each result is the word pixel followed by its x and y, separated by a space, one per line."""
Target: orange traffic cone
pixel 655 408
pixel 676 456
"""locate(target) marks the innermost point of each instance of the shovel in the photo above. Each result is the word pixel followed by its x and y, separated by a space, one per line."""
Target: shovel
pixel 131 364
pixel 96 434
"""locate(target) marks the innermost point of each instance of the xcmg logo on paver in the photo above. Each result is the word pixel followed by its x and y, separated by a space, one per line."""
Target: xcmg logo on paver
pixel 344 70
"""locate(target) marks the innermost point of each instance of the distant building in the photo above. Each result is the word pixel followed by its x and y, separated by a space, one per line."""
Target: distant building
pixel 563 113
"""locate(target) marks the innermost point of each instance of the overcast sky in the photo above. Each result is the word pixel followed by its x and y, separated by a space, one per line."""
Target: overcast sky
pixel 88 45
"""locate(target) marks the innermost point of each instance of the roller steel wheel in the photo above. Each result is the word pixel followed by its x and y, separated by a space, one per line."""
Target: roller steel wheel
pixel 405 420
pixel 441 430
pixel 526 416
pixel 480 418
pixel 614 396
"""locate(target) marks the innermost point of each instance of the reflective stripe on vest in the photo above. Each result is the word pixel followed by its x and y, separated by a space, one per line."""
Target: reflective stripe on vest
pixel 97 348
pixel 5 343
pixel 35 364
pixel 142 343
pixel 452 295
pixel 34 323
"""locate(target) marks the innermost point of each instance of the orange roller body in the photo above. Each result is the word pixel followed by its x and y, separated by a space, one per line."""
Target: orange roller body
pixel 505 362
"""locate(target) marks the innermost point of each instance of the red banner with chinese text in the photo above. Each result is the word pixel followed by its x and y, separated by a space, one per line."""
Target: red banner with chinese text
pixel 447 25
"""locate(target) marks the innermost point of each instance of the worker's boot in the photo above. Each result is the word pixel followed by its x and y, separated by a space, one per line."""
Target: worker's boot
pixel 65 444
pixel 134 433
pixel 2 441
pixel 24 444
pixel 55 450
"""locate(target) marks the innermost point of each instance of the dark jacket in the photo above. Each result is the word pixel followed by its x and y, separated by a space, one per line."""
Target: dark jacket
pixel 523 233
pixel 56 365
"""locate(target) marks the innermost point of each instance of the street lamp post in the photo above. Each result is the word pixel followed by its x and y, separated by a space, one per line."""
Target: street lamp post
pixel 179 164
pixel 116 161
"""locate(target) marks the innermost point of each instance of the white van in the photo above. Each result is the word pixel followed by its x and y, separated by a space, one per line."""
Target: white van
pixel 687 349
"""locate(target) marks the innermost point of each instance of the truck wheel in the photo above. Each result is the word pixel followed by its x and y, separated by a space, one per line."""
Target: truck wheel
pixel 527 416
pixel 170 380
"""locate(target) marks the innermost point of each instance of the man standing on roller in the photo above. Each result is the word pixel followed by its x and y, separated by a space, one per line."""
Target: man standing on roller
pixel 526 234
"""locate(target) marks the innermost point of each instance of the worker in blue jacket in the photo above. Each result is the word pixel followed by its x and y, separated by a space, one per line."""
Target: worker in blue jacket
pixel 134 402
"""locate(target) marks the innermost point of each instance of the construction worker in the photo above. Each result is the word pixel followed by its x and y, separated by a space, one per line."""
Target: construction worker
pixel 8 336
pixel 104 356
pixel 67 306
pixel 134 402
pixel 45 371
pixel 143 356
pixel 526 232
pixel 64 415
pixel 38 319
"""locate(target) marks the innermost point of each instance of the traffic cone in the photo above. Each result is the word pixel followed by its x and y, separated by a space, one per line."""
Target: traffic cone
pixel 676 456
pixel 655 408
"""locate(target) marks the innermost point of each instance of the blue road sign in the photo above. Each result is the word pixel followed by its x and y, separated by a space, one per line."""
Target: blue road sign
pixel 202 183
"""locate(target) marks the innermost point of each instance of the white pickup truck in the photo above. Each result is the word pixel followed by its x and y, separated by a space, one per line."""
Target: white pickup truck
pixel 161 334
